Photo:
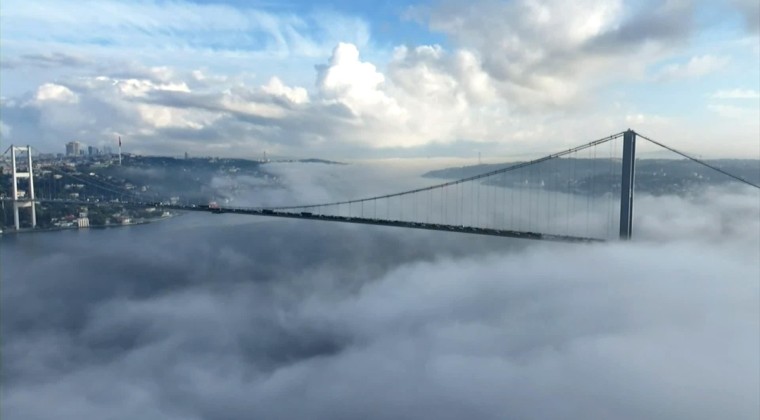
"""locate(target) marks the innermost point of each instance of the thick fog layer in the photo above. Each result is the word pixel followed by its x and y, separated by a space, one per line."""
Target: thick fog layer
pixel 228 317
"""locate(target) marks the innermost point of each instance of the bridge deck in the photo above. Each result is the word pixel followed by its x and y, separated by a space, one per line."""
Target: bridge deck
pixel 383 222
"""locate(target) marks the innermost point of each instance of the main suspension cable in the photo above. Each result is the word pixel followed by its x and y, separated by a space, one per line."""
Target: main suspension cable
pixel 460 181
pixel 701 162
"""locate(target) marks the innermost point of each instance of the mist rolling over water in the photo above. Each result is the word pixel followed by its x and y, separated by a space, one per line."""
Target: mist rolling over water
pixel 222 316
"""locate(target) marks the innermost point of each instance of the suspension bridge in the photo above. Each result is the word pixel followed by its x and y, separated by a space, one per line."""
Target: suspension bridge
pixel 581 194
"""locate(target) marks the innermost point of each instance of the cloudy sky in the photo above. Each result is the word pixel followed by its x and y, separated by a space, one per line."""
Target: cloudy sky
pixel 346 79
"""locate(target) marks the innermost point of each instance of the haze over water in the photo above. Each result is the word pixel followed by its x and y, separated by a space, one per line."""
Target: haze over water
pixel 223 316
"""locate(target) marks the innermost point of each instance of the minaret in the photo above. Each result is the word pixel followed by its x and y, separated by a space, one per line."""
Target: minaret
pixel 119 150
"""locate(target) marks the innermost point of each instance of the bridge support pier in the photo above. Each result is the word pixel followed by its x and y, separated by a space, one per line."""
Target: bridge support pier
pixel 28 200
pixel 626 186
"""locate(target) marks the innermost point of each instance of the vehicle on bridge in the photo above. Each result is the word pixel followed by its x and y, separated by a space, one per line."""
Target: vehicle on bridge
pixel 214 207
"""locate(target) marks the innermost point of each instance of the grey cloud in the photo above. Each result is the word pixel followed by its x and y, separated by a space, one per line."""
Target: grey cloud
pixel 669 24
pixel 213 101
pixel 537 55
pixel 208 101
pixel 52 60
pixel 750 11
pixel 248 130
pixel 47 126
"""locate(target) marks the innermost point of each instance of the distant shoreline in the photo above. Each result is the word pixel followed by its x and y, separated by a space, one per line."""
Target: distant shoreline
pixel 60 228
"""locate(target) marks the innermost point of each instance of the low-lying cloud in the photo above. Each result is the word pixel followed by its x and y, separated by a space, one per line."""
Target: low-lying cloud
pixel 208 317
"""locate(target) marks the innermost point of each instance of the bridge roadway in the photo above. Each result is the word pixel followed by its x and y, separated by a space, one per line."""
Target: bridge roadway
pixel 383 222
pixel 328 218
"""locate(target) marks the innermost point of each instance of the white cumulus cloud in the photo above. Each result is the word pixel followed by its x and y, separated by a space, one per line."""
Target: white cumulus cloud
pixel 296 95
pixel 357 84
pixel 51 92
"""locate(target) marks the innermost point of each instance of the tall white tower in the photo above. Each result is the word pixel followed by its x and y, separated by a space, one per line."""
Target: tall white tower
pixel 27 200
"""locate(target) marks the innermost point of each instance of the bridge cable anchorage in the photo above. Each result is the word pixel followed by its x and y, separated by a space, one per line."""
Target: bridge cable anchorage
pixel 462 180
pixel 701 162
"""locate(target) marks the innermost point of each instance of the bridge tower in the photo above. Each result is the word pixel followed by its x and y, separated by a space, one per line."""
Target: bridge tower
pixel 28 199
pixel 626 187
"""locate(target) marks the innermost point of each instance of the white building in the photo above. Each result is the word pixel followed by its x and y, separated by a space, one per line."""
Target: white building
pixel 73 148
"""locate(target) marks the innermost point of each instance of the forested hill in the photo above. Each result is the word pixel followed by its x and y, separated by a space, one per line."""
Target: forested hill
pixel 600 176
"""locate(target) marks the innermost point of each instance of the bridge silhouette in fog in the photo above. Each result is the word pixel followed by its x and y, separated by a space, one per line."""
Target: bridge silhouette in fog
pixel 581 194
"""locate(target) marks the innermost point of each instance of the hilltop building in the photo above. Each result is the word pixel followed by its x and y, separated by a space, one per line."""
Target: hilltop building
pixel 73 148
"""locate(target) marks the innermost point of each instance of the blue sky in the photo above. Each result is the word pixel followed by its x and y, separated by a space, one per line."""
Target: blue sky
pixel 380 79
